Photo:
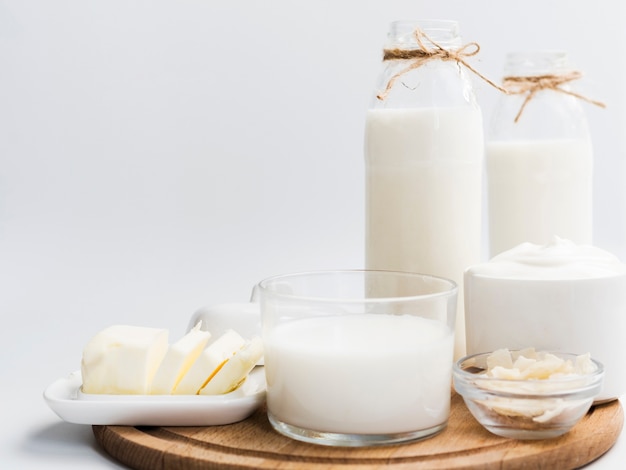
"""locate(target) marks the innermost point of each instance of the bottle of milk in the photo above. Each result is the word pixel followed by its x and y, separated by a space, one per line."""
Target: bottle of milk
pixel 424 150
pixel 538 156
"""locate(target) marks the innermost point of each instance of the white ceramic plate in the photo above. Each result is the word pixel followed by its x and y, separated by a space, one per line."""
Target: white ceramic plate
pixel 66 400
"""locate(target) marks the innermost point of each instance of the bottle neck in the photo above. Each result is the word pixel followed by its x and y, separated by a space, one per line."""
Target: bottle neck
pixel 416 73
pixel 539 105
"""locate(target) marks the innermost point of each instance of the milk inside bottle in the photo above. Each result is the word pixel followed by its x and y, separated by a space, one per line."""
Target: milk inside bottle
pixel 538 189
pixel 539 158
pixel 424 155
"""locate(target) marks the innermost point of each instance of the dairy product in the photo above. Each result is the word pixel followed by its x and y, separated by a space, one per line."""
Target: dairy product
pixel 423 198
pixel 234 371
pixel 539 189
pixel 359 373
pixel 179 358
pixel 534 386
pixel 529 364
pixel 558 259
pixel 135 360
pixel 207 364
pixel 123 359
pixel 560 297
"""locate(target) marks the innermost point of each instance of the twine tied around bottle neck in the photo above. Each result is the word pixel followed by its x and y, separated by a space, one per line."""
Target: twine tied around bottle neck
pixel 531 85
pixel 424 54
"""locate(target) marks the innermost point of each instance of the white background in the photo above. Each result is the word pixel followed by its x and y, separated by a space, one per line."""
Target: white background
pixel 159 156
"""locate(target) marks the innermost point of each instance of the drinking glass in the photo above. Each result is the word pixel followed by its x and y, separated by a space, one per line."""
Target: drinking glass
pixel 358 358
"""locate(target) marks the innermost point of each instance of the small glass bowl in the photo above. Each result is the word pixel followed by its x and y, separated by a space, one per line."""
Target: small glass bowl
pixel 525 409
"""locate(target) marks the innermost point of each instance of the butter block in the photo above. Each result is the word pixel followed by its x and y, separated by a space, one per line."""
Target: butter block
pixel 123 359
pixel 235 371
pixel 179 358
pixel 213 357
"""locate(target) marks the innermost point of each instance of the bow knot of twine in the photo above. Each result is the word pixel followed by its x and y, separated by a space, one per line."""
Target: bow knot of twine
pixel 423 54
pixel 531 85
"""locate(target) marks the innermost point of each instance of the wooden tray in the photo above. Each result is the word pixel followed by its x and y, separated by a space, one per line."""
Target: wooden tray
pixel 253 444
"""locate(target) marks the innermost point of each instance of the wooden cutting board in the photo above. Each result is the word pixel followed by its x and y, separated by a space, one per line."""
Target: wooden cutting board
pixel 253 444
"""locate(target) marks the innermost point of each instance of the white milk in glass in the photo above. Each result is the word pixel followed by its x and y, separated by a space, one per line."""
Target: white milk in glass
pixel 538 189
pixel 361 374
pixel 424 193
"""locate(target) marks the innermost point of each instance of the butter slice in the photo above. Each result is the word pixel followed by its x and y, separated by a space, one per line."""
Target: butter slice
pixel 235 371
pixel 123 359
pixel 179 358
pixel 219 351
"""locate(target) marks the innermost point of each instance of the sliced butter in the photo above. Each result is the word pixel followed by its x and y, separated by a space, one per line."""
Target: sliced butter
pixel 178 360
pixel 209 361
pixel 123 359
pixel 234 372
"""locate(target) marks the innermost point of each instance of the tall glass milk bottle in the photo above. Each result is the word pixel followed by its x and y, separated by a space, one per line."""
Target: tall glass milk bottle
pixel 424 150
pixel 538 156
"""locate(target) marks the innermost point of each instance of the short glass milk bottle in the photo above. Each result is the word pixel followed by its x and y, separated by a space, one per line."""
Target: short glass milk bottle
pixel 424 150
pixel 538 156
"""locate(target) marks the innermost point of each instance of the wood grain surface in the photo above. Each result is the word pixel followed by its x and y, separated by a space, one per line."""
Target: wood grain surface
pixel 253 444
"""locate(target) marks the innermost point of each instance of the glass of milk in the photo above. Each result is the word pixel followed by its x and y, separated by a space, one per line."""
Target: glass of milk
pixel 358 358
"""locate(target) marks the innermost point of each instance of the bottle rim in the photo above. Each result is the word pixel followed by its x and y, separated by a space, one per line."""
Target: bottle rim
pixel 445 33
pixel 537 62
